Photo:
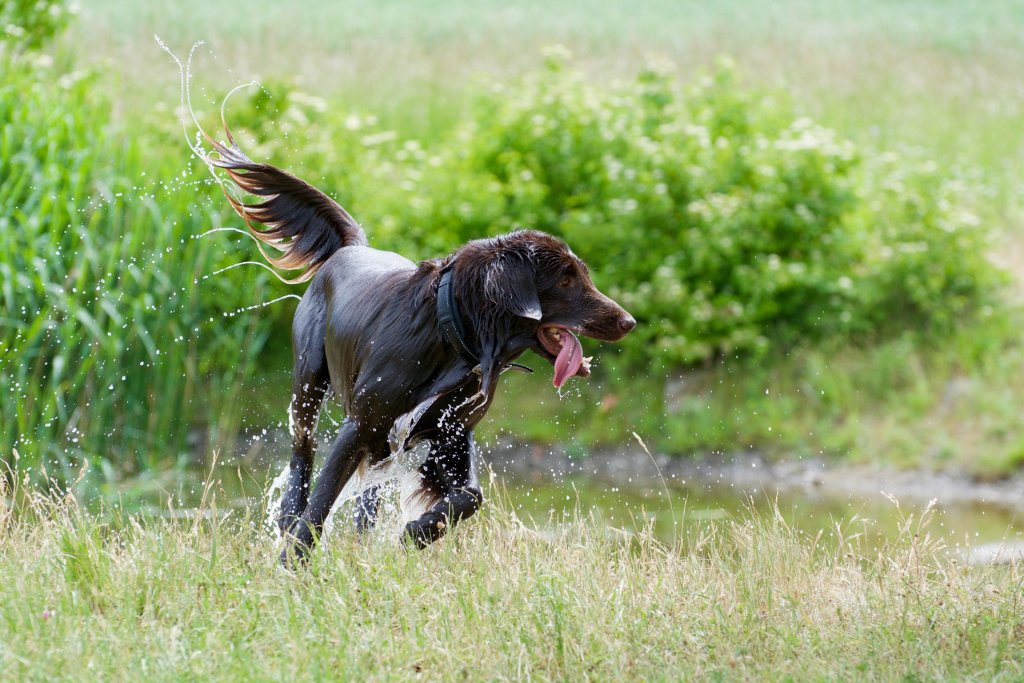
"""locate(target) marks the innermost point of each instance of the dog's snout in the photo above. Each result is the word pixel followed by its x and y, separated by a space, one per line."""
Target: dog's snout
pixel 626 323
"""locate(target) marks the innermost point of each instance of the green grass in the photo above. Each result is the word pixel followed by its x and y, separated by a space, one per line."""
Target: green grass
pixel 942 404
pixel 109 332
pixel 938 74
pixel 102 597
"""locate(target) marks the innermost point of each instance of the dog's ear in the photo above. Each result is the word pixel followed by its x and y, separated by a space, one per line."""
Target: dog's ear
pixel 511 283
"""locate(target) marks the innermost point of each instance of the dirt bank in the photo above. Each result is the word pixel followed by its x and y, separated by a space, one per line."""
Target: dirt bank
pixel 748 471
pixel 751 471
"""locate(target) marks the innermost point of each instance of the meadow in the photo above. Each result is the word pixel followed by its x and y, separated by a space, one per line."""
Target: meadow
pixel 101 596
pixel 813 209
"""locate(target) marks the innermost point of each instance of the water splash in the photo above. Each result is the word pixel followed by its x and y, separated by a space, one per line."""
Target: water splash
pixel 185 77
pixel 226 229
pixel 272 501
pixel 230 314
pixel 396 478
pixel 196 146
pixel 246 263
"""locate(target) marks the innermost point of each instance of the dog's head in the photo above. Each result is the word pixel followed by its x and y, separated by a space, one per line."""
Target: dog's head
pixel 527 290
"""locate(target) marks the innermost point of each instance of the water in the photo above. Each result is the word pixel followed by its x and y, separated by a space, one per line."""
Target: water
pixel 876 517
pixel 544 502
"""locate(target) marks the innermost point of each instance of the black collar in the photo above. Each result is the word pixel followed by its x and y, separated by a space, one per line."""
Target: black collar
pixel 450 321
pixel 448 317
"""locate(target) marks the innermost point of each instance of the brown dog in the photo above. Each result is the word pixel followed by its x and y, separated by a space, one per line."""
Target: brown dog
pixel 416 345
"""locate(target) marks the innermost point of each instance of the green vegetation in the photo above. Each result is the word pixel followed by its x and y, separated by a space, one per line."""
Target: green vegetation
pixel 803 287
pixel 112 336
pixel 717 219
pixel 820 236
pixel 749 598
pixel 902 402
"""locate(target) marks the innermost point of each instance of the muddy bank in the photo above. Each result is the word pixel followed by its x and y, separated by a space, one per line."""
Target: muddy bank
pixel 746 472
pixel 753 473
pixel 979 520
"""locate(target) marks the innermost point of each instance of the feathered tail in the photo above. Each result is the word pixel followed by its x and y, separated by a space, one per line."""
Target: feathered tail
pixel 303 223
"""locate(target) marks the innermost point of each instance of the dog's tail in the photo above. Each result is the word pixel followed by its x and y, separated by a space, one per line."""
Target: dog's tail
pixel 303 223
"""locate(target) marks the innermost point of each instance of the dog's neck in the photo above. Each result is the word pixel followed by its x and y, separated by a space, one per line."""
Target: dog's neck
pixel 450 320
pixel 453 327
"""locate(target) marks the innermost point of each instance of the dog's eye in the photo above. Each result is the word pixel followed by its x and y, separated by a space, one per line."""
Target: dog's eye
pixel 566 281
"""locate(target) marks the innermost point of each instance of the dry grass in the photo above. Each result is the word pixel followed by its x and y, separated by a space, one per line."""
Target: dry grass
pixel 98 597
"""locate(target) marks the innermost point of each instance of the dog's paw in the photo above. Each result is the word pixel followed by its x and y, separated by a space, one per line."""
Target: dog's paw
pixel 425 530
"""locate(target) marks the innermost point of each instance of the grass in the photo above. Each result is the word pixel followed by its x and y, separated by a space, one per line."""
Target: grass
pixel 946 404
pixel 941 75
pixel 103 595
pixel 106 335
pixel 99 596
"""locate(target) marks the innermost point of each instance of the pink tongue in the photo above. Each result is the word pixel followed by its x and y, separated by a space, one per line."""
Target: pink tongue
pixel 569 360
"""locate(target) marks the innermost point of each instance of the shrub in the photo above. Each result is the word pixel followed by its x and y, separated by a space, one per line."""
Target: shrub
pixel 723 222
pixel 30 24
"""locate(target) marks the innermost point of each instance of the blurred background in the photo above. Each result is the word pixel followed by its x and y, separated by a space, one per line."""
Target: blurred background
pixel 813 209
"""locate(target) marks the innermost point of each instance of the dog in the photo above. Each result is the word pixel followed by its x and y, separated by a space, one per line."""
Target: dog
pixel 417 346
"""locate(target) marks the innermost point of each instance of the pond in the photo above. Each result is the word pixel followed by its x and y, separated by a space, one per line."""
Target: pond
pixel 877 517
pixel 544 499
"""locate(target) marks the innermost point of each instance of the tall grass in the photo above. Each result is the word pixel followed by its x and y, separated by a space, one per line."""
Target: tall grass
pixel 939 75
pixel 946 403
pixel 113 338
pixel 111 598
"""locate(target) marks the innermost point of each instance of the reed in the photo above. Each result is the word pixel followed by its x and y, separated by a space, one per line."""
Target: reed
pixel 114 337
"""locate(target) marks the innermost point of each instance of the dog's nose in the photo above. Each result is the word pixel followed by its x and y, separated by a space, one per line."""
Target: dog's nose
pixel 626 324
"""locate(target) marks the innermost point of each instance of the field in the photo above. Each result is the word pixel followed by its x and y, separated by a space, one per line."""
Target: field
pixel 813 208
pixel 932 82
pixel 939 75
pixel 110 598
pixel 355 95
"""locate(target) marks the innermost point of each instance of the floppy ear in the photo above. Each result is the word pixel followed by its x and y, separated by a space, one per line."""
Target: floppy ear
pixel 511 283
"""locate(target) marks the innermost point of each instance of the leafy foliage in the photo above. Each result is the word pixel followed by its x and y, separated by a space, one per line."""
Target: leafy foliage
pixel 111 336
pixel 30 24
pixel 721 221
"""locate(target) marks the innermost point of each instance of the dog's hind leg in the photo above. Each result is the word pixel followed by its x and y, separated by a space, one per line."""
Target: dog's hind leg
pixel 310 385
pixel 367 507
pixel 341 463
pixel 450 479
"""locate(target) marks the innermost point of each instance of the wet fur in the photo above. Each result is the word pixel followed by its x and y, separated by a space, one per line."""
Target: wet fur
pixel 366 331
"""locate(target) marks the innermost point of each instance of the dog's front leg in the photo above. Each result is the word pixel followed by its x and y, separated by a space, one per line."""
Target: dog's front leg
pixel 449 477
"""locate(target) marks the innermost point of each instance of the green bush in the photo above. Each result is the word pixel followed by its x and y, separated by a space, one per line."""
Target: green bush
pixel 724 223
pixel 31 24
